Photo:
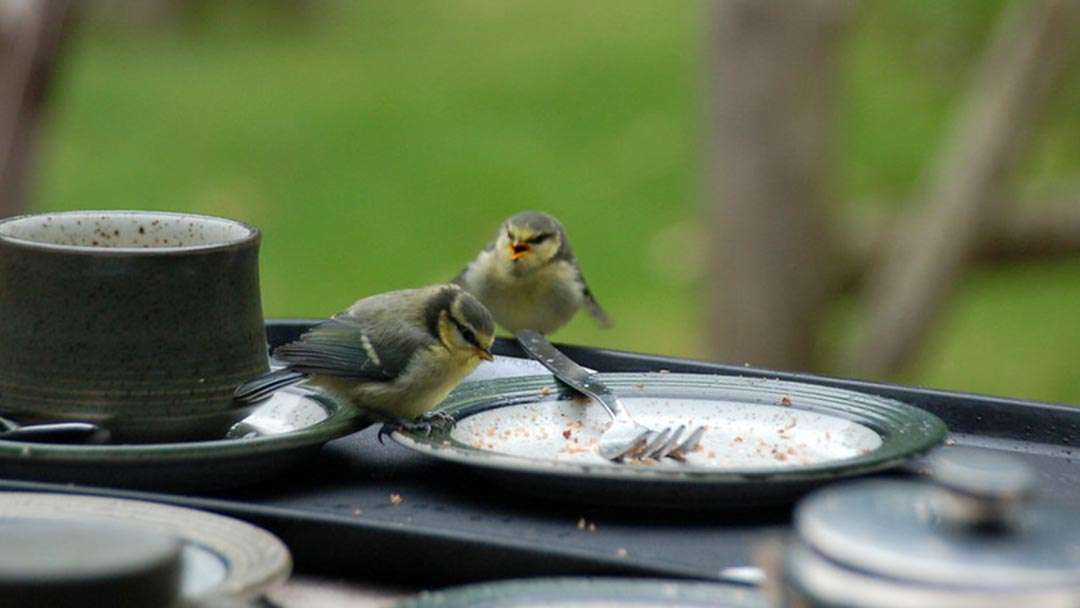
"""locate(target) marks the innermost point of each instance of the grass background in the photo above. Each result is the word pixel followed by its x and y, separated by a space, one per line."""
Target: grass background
pixel 379 144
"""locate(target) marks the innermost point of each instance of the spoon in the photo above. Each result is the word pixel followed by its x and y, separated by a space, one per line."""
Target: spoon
pixel 54 432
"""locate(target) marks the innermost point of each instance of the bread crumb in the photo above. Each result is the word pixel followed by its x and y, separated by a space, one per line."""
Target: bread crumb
pixel 581 524
pixel 544 392
pixel 664 371
pixel 738 439
pixel 785 401
pixel 396 499
pixel 620 552
pixel 592 527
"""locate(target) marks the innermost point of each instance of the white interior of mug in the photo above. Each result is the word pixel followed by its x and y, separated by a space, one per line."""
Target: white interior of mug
pixel 124 230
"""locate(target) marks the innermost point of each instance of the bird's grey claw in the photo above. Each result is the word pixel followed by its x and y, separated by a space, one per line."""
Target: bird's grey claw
pixel 385 431
pixel 438 420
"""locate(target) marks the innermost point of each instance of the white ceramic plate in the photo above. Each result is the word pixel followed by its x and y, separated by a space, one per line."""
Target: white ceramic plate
pixel 767 440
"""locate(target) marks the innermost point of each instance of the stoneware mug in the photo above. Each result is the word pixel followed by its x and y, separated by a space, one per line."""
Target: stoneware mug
pixel 141 321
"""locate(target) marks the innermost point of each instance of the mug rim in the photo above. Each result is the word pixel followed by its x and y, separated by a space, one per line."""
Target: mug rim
pixel 253 235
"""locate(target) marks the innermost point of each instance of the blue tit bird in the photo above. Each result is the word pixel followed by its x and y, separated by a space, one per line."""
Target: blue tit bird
pixel 529 278
pixel 395 355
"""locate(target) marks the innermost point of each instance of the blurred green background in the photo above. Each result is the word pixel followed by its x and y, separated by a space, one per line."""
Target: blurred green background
pixel 379 144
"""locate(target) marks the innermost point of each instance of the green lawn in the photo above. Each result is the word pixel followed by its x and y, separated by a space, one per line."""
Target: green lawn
pixel 379 144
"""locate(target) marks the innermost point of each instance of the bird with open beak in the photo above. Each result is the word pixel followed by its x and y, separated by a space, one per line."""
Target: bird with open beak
pixel 529 278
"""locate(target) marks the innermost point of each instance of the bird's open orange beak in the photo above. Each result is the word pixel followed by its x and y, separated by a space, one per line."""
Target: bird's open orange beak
pixel 519 250
pixel 485 354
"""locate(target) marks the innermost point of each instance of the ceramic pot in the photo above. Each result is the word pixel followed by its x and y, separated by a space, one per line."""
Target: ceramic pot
pixel 141 321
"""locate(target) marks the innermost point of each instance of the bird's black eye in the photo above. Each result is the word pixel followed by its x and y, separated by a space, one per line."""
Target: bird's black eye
pixel 540 238
pixel 466 333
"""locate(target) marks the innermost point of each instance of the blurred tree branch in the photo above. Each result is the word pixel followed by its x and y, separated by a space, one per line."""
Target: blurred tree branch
pixel 1022 232
pixel 773 76
pixel 30 33
pixel 960 190
pixel 1028 233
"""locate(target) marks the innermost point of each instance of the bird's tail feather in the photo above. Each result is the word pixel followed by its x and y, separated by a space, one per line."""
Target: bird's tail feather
pixel 596 310
pixel 259 389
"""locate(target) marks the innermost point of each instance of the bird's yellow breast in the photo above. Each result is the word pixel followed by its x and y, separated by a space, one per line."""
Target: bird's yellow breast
pixel 543 300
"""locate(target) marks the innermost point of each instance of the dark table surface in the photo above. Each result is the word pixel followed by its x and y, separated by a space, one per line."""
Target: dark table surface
pixel 453 526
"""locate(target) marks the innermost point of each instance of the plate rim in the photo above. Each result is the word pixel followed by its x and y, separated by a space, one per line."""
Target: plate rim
pixel 342 419
pixel 612 588
pixel 213 532
pixel 468 397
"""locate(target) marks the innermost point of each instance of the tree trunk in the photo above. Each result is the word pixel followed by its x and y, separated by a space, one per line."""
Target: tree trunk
pixel 773 74
pixel 29 42
pixel 961 189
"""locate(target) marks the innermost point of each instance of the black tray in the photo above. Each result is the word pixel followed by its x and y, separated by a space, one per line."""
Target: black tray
pixel 451 526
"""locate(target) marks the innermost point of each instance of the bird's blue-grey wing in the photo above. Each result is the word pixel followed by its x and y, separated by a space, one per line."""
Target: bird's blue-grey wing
pixel 589 300
pixel 345 348
pixel 593 307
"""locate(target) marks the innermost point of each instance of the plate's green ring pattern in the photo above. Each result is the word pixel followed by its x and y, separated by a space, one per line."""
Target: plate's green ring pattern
pixel 905 430
pixel 341 420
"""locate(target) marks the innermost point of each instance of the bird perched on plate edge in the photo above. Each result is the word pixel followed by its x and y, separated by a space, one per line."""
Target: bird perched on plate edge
pixel 529 278
pixel 394 355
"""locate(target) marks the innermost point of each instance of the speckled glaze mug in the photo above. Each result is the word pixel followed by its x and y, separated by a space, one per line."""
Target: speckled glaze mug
pixel 141 321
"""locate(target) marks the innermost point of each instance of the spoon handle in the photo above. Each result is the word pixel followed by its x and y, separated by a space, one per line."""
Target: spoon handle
pixel 58 432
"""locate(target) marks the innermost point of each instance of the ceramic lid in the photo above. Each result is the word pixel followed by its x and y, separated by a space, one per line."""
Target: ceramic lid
pixel 67 563
pixel 975 528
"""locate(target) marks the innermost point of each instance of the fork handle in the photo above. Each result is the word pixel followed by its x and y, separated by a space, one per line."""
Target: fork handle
pixel 570 373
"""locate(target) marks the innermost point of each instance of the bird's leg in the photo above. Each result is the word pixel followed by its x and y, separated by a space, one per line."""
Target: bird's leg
pixel 431 421
pixel 439 420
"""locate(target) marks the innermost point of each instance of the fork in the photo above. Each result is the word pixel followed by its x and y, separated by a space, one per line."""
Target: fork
pixel 625 438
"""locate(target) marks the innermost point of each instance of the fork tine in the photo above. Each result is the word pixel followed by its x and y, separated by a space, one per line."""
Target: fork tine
pixel 670 444
pixel 634 447
pixel 691 442
pixel 658 440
